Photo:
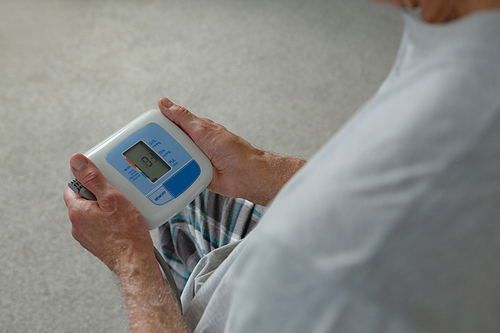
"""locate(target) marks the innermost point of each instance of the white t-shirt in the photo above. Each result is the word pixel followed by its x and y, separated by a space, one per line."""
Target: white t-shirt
pixel 394 226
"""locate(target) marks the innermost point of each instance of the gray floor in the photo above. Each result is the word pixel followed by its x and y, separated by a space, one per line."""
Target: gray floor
pixel 283 74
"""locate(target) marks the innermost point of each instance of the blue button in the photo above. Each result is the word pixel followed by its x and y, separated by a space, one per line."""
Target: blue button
pixel 160 196
pixel 184 178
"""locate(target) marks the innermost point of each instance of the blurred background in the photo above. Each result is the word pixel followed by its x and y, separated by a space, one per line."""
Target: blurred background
pixel 283 74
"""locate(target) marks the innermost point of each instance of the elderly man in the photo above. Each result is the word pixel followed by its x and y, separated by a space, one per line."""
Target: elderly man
pixel 392 227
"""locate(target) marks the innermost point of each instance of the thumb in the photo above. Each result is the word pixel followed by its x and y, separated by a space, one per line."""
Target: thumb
pixel 178 115
pixel 87 173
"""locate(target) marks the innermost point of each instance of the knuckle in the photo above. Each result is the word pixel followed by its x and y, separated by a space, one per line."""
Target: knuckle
pixel 113 202
pixel 206 126
pixel 208 121
pixel 183 111
pixel 91 177
pixel 108 201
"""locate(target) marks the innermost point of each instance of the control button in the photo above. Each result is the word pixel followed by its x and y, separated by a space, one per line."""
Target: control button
pixel 160 196
pixel 184 178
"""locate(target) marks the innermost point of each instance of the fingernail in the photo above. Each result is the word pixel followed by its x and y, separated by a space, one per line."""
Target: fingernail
pixel 166 102
pixel 78 162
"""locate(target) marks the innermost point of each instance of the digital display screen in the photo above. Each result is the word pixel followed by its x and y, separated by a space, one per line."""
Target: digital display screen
pixel 147 161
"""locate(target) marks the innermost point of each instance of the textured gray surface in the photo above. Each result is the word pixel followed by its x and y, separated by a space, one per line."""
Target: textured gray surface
pixel 283 74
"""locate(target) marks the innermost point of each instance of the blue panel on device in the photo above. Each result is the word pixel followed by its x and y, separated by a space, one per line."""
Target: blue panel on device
pixel 153 161
pixel 183 179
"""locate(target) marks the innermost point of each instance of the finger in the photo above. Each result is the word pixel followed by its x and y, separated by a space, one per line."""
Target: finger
pixel 75 201
pixel 76 206
pixel 69 197
pixel 177 114
pixel 87 173
pixel 165 102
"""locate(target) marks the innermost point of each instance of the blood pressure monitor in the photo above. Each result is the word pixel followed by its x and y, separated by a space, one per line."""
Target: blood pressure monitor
pixel 154 164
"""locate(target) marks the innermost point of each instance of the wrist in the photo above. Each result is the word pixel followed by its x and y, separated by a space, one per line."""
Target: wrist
pixel 267 173
pixel 131 262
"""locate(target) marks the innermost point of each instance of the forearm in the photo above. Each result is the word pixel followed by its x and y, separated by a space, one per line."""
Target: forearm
pixel 150 304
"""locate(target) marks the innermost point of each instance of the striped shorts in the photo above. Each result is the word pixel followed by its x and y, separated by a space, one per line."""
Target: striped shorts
pixel 210 221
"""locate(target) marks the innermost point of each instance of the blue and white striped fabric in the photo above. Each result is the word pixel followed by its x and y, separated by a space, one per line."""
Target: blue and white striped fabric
pixel 207 223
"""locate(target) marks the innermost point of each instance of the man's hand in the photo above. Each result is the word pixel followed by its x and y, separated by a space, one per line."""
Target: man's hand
pixel 240 170
pixel 114 231
pixel 109 227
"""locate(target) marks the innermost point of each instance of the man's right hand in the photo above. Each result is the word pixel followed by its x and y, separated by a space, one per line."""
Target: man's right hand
pixel 240 170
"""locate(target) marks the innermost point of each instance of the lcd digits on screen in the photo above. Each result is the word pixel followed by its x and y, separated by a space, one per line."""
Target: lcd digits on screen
pixel 147 161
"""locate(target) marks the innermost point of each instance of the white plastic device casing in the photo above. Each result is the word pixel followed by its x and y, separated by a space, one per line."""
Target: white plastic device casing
pixel 154 214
